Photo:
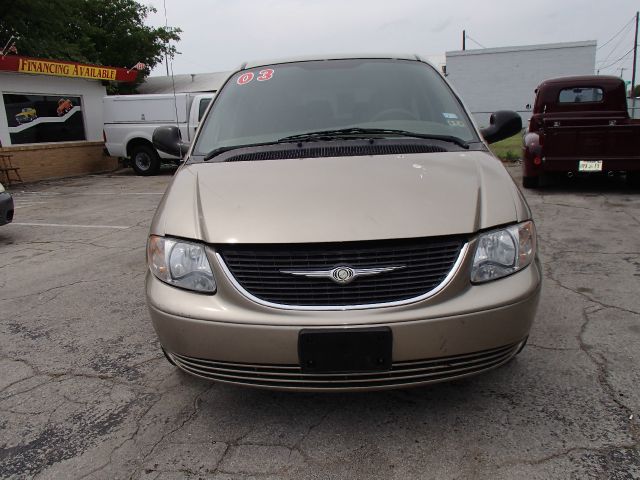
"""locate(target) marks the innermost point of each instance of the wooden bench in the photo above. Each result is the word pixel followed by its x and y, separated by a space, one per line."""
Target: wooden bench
pixel 8 170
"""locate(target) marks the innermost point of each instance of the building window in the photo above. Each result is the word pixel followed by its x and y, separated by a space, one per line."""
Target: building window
pixel 581 95
pixel 44 118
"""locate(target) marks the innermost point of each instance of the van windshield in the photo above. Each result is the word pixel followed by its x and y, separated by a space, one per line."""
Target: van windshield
pixel 268 103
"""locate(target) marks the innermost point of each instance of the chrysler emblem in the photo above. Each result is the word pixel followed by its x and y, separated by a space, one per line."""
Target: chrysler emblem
pixel 342 274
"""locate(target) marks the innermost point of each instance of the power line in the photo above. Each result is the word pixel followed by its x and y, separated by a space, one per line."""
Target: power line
pixel 622 38
pixel 618 60
pixel 619 32
pixel 475 41
pixel 614 49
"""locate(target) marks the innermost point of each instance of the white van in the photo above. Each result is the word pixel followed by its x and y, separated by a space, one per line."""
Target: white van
pixel 129 122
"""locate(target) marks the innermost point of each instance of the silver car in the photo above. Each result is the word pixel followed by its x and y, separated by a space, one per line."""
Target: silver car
pixel 340 224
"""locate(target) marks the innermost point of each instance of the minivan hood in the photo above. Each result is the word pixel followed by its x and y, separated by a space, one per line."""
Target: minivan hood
pixel 339 198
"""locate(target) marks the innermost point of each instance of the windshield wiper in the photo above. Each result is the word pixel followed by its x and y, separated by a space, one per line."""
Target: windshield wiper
pixel 365 132
pixel 217 151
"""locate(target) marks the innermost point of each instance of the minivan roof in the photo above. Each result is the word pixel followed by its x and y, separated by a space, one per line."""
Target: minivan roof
pixel 309 58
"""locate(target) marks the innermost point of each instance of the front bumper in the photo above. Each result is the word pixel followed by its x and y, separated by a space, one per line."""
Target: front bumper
pixel 6 208
pixel 463 330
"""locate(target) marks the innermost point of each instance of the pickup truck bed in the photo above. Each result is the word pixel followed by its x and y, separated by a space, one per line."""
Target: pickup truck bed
pixel 567 130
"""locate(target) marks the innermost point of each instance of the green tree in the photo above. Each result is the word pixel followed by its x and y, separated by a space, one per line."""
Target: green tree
pixel 105 32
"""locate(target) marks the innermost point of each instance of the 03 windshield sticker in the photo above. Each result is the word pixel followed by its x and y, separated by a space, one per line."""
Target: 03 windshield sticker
pixel 245 78
pixel 263 76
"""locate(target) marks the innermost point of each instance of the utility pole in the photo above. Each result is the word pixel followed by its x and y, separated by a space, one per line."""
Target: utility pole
pixel 166 46
pixel 464 39
pixel 635 53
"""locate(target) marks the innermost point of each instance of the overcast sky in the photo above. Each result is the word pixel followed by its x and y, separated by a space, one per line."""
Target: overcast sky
pixel 219 35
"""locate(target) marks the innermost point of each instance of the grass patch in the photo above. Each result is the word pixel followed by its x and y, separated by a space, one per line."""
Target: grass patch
pixel 509 149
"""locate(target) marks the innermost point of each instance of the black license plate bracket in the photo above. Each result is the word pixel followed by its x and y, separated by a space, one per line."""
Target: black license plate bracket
pixel 344 350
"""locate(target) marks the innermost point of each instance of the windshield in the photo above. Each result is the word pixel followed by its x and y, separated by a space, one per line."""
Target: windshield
pixel 268 103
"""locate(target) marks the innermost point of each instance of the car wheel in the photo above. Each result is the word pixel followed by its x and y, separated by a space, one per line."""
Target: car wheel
pixel 633 179
pixel 530 182
pixel 145 160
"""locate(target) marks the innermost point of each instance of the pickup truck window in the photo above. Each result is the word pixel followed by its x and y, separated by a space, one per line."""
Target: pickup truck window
pixel 581 95
pixel 268 103
pixel 204 103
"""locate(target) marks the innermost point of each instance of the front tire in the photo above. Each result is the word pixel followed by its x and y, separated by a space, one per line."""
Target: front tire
pixel 530 182
pixel 145 160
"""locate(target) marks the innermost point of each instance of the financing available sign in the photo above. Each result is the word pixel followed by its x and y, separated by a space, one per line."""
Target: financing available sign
pixel 45 67
pixel 62 68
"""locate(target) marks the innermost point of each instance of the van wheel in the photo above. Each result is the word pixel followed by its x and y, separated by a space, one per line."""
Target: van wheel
pixel 530 182
pixel 145 160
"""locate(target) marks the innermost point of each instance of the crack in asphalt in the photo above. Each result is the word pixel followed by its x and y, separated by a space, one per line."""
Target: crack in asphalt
pixel 598 360
pixel 602 368
pixel 125 441
pixel 188 419
pixel 558 349
pixel 584 294
pixel 77 282
pixel 63 375
pixel 563 453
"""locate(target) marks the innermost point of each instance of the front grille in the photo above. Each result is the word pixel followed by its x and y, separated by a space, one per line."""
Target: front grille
pixel 401 373
pixel 425 264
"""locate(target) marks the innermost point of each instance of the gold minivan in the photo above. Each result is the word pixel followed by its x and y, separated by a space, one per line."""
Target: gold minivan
pixel 340 224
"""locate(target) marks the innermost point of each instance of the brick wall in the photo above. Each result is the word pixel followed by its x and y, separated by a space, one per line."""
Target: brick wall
pixel 67 159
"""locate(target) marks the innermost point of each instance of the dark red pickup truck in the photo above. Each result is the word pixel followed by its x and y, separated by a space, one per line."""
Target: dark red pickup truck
pixel 581 125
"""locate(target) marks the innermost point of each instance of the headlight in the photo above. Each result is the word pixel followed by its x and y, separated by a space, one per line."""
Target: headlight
pixel 179 263
pixel 502 252
pixel 1 188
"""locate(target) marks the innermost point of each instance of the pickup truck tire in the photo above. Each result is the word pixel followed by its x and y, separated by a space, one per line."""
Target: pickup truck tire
pixel 530 182
pixel 145 160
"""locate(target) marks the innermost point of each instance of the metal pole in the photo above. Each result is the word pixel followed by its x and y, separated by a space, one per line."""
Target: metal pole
pixel 635 52
pixel 464 39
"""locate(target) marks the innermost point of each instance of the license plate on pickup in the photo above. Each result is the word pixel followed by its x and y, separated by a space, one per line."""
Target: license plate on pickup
pixel 590 166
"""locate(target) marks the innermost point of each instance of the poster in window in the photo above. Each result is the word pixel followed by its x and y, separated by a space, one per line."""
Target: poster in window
pixel 44 118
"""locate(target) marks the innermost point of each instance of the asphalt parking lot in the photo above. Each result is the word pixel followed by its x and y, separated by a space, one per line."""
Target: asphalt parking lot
pixel 86 393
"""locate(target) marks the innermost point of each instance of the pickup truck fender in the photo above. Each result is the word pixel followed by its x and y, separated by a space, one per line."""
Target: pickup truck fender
pixel 132 137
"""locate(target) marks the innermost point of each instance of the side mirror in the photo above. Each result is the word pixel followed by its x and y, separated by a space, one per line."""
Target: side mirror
pixel 502 124
pixel 169 140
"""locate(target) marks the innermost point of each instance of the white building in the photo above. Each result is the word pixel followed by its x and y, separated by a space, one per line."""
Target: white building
pixel 51 116
pixel 505 78
pixel 39 95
